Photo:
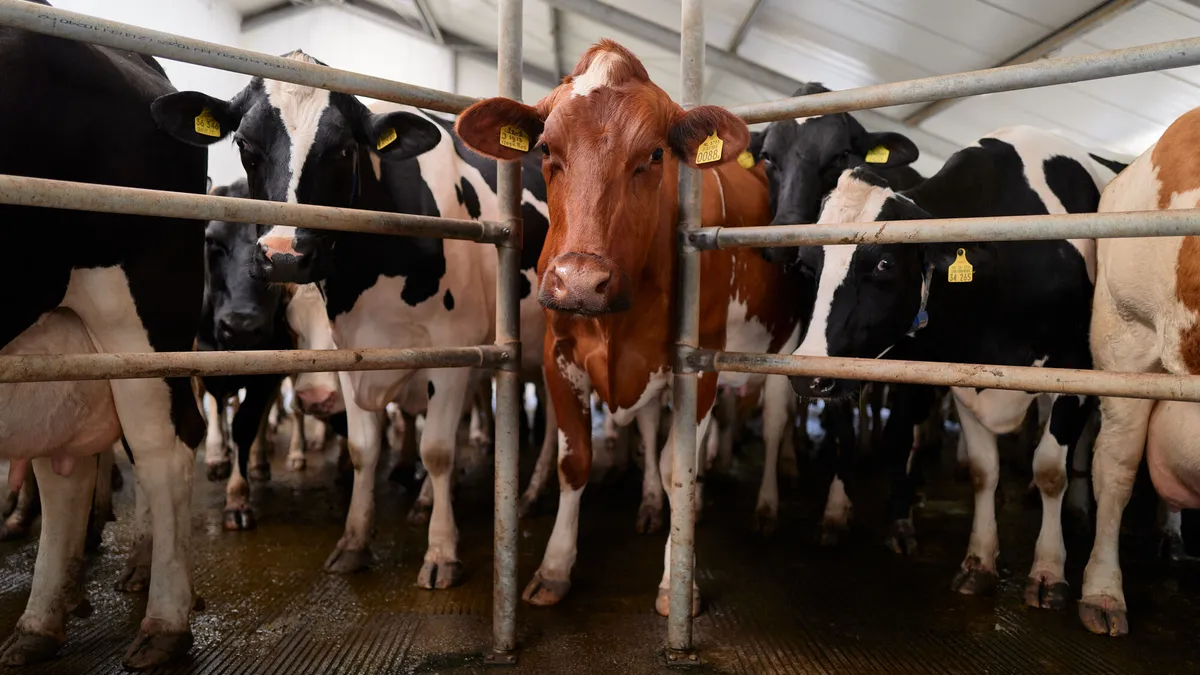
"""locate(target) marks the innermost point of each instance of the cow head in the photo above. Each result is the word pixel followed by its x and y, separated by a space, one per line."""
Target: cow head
pixel 300 145
pixel 318 393
pixel 805 156
pixel 243 308
pixel 611 142
pixel 869 297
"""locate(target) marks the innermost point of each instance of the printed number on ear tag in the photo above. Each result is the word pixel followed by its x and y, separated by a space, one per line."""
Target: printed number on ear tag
pixel 961 271
pixel 385 139
pixel 878 155
pixel 746 160
pixel 207 125
pixel 515 138
pixel 710 149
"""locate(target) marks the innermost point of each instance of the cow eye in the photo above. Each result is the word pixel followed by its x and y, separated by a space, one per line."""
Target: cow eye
pixel 346 151
pixel 545 149
pixel 657 155
pixel 883 265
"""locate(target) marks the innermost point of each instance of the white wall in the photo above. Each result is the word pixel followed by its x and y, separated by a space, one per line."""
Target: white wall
pixel 479 79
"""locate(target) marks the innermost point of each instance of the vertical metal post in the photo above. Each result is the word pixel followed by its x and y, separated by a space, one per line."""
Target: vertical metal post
pixel 687 306
pixel 508 323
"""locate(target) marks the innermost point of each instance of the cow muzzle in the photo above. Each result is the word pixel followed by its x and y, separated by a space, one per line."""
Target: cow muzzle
pixel 288 258
pixel 319 401
pixel 822 387
pixel 582 283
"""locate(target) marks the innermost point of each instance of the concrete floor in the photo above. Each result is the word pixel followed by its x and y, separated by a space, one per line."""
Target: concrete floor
pixel 782 605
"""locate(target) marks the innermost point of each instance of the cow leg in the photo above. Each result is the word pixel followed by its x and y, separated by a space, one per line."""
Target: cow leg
pixel 249 427
pixel 776 394
pixel 726 428
pixel 58 570
pixel 662 603
pixel 483 419
pixel 422 506
pixel 216 450
pixel 910 406
pixel 977 575
pixel 442 568
pixel 541 469
pixel 135 578
pixel 650 513
pixel 299 443
pixel 1170 529
pixel 364 429
pixel 1078 505
pixel 29 505
pixel 102 507
pixel 262 448
pixel 835 521
pixel 788 466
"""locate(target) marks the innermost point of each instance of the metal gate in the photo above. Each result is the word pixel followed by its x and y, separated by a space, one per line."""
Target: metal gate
pixel 504 355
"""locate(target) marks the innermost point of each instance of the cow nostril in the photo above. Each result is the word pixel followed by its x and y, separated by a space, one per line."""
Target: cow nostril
pixel 821 385
pixel 603 285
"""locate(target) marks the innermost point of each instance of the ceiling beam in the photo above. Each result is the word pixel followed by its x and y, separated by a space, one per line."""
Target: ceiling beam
pixel 430 22
pixel 739 35
pixel 269 15
pixel 556 42
pixel 1056 40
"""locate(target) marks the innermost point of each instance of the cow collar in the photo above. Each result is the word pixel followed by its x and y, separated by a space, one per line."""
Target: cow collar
pixel 922 318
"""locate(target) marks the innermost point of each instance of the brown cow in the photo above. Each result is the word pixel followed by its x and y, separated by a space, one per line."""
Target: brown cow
pixel 611 143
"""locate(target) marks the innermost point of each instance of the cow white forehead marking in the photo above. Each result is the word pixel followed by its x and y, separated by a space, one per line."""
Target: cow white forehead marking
pixel 300 108
pixel 801 120
pixel 833 275
pixel 596 75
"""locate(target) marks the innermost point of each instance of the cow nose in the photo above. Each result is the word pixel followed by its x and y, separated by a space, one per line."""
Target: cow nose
pixel 813 386
pixel 318 400
pixel 235 331
pixel 584 284
pixel 284 259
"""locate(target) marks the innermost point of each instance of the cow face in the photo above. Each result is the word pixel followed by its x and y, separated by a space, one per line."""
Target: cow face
pixel 299 145
pixel 868 297
pixel 805 156
pixel 243 307
pixel 611 142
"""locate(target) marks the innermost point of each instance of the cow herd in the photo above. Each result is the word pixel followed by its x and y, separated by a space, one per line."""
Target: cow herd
pixel 601 156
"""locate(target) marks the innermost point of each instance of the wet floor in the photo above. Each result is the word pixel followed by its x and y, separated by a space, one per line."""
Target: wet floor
pixel 778 605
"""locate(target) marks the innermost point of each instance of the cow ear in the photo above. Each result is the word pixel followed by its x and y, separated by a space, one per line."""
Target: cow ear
pixel 886 149
pixel 757 138
pixel 195 118
pixel 401 134
pixel 500 128
pixel 708 136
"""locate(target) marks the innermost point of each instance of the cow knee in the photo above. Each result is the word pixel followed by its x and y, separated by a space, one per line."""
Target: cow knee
pixel 573 470
pixel 438 458
pixel 1050 476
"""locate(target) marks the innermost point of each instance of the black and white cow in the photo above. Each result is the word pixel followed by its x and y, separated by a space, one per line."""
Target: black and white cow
pixel 1028 303
pixel 305 145
pixel 110 283
pixel 804 158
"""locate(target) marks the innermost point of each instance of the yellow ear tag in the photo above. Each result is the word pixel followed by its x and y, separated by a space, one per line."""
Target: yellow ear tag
pixel 746 160
pixel 878 155
pixel 710 149
pixel 961 271
pixel 515 138
pixel 385 139
pixel 207 125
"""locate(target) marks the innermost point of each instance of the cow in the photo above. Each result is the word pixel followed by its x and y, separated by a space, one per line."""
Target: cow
pixel 1144 318
pixel 80 112
pixel 26 504
pixel 610 144
pixel 1008 303
pixel 311 146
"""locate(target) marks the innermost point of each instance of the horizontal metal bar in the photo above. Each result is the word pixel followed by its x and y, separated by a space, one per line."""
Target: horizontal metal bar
pixel 61 367
pixel 1061 70
pixel 56 194
pixel 1181 222
pixel 1048 380
pixel 84 28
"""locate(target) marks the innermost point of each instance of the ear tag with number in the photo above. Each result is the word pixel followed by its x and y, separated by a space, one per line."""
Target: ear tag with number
pixel 878 155
pixel 746 160
pixel 710 149
pixel 961 271
pixel 207 125
pixel 385 139
pixel 514 137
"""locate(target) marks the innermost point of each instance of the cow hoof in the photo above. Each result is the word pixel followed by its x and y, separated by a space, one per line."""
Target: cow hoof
pixel 543 592
pixel 662 604
pixel 440 575
pixel 150 651
pixel 118 480
pixel 135 579
pixel 650 519
pixel 297 463
pixel 260 473
pixel 526 506
pixel 1045 594
pixel 1103 615
pixel 10 503
pixel 1171 547
pixel 23 649
pixel 766 521
pixel 419 514
pixel 218 471
pixel 95 536
pixel 973 579
pixel 902 537
pixel 832 534
pixel 346 561
pixel 13 531
pixel 240 520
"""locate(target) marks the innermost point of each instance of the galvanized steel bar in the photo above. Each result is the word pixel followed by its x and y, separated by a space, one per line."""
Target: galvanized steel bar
pixel 1050 380
pixel 508 337
pixel 56 194
pixel 64 367
pixel 84 28
pixel 686 380
pixel 1046 72
pixel 1176 223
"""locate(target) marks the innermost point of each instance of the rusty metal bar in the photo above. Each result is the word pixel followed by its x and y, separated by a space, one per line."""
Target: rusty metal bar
pixel 126 366
pixel 84 28
pixel 682 487
pixel 508 337
pixel 1046 72
pixel 1175 223
pixel 1049 380
pixel 56 194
